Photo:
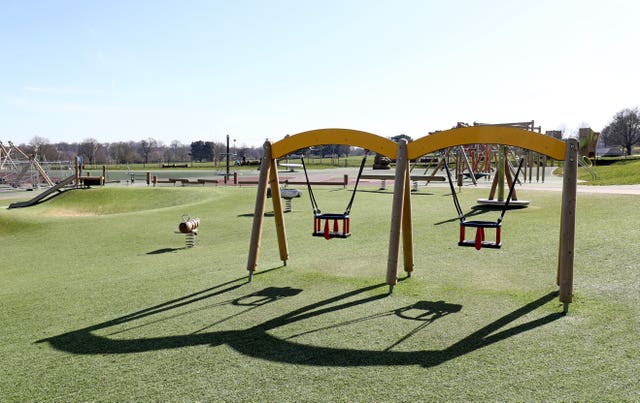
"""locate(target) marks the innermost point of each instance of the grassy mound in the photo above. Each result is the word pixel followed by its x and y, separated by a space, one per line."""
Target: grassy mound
pixel 624 172
pixel 104 201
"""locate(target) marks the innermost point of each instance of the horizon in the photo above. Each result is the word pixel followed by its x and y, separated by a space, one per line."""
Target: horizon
pixel 201 70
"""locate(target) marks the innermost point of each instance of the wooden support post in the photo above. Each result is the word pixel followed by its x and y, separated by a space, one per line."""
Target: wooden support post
pixel 396 214
pixel 436 169
pixel 467 165
pixel 459 169
pixel 278 212
pixel 501 169
pixel 258 213
pixel 407 229
pixel 568 223
pixel 507 174
pixel 494 184
pixel 487 159
pixel 77 174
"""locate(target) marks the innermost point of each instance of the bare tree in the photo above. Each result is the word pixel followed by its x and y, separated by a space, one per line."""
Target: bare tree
pixel 87 149
pixel 177 152
pixel 624 130
pixel 102 154
pixel 145 149
pixel 123 153
pixel 43 150
pixel 219 153
pixel 39 145
pixel 66 151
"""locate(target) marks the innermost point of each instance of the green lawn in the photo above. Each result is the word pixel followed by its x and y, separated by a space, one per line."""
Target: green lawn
pixel 623 172
pixel 101 301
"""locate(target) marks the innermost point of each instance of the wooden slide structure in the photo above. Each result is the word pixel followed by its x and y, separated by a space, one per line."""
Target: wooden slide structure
pixel 70 182
pixel 47 194
pixel 401 221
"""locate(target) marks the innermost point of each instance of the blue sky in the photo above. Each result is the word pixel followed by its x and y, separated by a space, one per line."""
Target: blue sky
pixel 199 70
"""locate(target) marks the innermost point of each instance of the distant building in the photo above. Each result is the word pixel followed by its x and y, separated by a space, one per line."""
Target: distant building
pixel 556 134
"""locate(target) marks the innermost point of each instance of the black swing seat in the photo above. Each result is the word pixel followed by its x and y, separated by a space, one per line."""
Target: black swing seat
pixel 331 225
pixel 480 241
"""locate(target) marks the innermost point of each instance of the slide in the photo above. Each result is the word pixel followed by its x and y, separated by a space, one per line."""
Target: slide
pixel 46 194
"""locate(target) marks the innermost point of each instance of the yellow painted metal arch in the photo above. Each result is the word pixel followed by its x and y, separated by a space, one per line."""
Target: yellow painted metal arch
pixel 546 145
pixel 350 137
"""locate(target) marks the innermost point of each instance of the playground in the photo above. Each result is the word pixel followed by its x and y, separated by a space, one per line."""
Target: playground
pixel 102 300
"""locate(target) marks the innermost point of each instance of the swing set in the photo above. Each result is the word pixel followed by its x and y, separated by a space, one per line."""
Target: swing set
pixel 401 228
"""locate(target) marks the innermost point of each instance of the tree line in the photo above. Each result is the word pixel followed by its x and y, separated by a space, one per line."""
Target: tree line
pixel 152 151
pixel 623 131
pixel 147 151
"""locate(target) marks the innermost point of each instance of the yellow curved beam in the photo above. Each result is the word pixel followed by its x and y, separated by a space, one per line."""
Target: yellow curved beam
pixel 546 145
pixel 356 138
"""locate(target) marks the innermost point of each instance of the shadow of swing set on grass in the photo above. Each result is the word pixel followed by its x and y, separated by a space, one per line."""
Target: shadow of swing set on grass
pixel 257 342
pixel 401 220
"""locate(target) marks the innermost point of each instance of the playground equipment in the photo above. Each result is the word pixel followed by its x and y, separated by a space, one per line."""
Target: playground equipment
pixel 269 177
pixel 189 227
pixel 318 216
pixel 504 172
pixel 479 241
pixel 288 195
pixel 401 221
pixel 17 168
pixel 74 181
pixel 503 167
pixel 588 142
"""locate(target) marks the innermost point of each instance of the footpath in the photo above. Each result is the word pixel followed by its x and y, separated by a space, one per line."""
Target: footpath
pixel 551 182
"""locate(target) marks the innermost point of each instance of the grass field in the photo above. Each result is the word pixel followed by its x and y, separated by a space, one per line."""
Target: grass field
pixel 101 301
pixel 625 172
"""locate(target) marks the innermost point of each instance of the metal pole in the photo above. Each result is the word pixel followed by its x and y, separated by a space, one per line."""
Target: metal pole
pixel 227 157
